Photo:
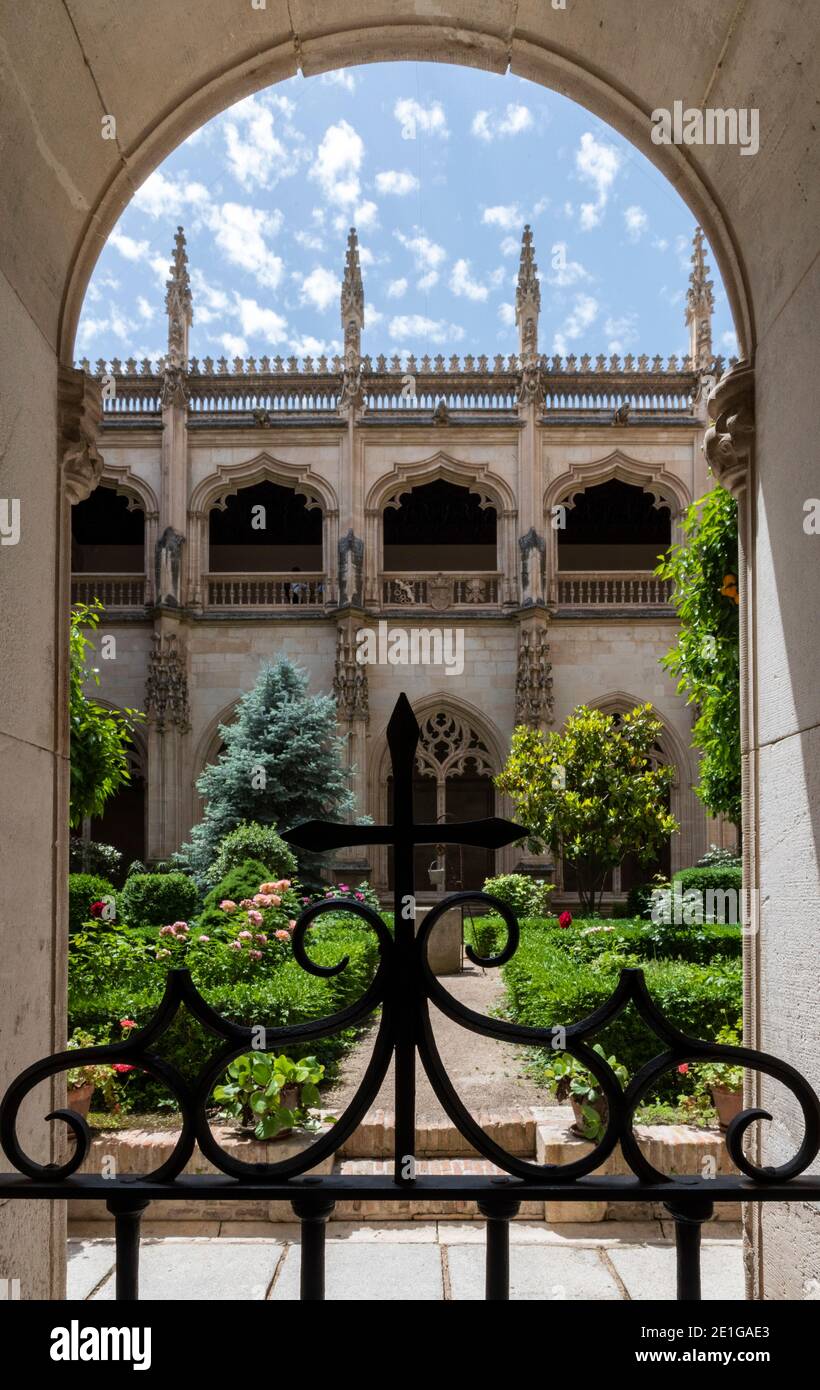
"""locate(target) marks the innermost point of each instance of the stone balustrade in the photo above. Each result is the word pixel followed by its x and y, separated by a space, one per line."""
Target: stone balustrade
pixel 113 590
pixel 616 589
pixel 441 591
pixel 291 590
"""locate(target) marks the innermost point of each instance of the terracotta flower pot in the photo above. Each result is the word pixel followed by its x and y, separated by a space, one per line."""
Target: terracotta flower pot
pixel 727 1104
pixel 79 1098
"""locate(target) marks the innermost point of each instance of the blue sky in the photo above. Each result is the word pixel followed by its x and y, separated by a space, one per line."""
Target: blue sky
pixel 439 167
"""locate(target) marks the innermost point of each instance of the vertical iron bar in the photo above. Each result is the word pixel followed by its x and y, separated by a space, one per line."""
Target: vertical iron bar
pixel 405 982
pixel 498 1212
pixel 127 1214
pixel 689 1217
pixel 313 1213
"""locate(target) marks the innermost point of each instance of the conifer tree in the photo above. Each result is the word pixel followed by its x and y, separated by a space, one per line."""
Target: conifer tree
pixel 282 764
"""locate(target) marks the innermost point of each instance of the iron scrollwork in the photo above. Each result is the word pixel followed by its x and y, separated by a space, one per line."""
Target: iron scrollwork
pixel 403 988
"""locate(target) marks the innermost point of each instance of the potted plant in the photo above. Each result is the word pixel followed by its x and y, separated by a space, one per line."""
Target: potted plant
pixel 270 1095
pixel 573 1081
pixel 83 1081
pixel 724 1080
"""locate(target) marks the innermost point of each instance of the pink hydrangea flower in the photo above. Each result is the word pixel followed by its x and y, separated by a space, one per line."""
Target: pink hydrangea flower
pixel 282 885
pixel 262 938
pixel 255 917
pixel 180 927
pixel 166 931
pixel 228 905
pixel 282 935
pixel 255 955
pixel 292 924
pixel 160 954
pixel 246 936
pixel 246 903
pixel 203 938
pixel 262 899
pixel 236 946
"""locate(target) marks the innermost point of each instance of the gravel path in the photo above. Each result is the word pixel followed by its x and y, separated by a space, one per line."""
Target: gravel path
pixel 487 1074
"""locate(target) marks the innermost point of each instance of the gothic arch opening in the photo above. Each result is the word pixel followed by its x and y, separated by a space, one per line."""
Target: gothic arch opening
pixel 613 526
pixel 265 527
pixel 440 526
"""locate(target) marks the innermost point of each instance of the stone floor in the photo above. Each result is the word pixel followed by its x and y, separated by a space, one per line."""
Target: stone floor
pixel 415 1261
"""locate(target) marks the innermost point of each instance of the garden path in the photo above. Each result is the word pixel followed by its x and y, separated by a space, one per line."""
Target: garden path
pixel 487 1074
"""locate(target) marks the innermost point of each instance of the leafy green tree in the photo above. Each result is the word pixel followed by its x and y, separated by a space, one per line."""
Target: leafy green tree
pixel 705 658
pixel 99 737
pixel 592 793
pixel 282 764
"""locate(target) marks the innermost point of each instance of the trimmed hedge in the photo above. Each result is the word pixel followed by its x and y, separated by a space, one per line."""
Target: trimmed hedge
pixel 722 876
pixel 250 840
pixel 83 890
pixel 547 987
pixel 152 900
pixel 240 882
pixel 644 940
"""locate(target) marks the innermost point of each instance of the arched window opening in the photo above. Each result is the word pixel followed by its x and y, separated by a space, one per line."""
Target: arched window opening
pixel 265 528
pixel 613 526
pixel 440 526
pixel 107 534
pixel 122 823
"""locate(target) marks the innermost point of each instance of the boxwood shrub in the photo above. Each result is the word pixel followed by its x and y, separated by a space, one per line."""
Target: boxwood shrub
pixel 547 986
pixel 151 900
pixel 240 882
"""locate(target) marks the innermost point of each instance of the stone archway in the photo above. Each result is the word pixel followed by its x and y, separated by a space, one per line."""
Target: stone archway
pixel 763 228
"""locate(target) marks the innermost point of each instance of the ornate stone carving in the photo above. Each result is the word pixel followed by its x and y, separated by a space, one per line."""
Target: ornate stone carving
pixel 729 439
pixel 178 306
pixel 700 303
pixel 352 313
pixel 166 685
pixel 168 568
pixel 527 308
pixel 351 569
pixel 533 684
pixel 79 406
pixel 350 685
pixel 450 746
pixel 533 549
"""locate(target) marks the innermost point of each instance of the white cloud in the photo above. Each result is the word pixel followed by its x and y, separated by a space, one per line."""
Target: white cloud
pixel 427 254
pixel 462 283
pixel 636 222
pixel 256 154
pixel 728 341
pixel 306 345
pixel 426 282
pixel 164 197
pixel 510 246
pixel 412 117
pixel 321 288
pixel 240 231
pixel 503 215
pixel 506 313
pixel 342 78
pixel 486 126
pixel 597 164
pixel 237 347
pixel 146 310
pixel 564 272
pixel 409 326
pixel 338 161
pixel 583 313
pixel 259 322
pixel 309 241
pixel 372 316
pixel 129 248
pixel 622 332
pixel 396 181
pixel 397 288
pixel 366 215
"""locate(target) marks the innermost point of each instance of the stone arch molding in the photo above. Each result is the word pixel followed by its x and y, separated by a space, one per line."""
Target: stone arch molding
pixel 491 489
pixel 205 752
pixel 676 751
pixel 653 478
pixel 230 478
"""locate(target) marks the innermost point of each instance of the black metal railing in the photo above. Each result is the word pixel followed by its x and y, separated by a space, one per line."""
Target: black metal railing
pixel 403 987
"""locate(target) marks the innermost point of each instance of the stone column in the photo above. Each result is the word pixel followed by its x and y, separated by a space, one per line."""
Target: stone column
pixel 533 691
pixel 35 394
pixel 166 707
pixel 729 447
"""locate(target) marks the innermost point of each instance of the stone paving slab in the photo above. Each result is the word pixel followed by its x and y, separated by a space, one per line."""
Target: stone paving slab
pixel 536 1273
pixel 650 1273
pixel 388 1271
pixel 207 1270
pixel 413 1261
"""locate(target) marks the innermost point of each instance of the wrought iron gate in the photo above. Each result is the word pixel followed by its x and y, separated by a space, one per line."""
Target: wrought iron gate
pixel 403 988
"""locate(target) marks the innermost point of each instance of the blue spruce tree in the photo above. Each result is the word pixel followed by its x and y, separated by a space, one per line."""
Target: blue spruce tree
pixel 282 764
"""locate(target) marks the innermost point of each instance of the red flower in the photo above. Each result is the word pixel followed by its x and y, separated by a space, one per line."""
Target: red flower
pixel 565 920
pixel 97 909
pixel 122 1067
pixel 684 1068
pixel 127 1023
